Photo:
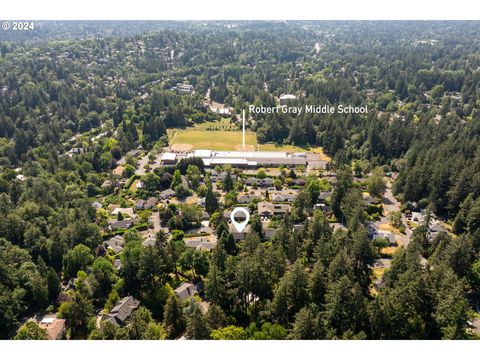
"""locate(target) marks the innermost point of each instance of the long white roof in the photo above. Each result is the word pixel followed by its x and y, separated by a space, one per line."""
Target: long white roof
pixel 239 154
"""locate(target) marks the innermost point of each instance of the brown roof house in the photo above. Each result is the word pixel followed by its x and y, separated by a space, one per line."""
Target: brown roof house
pixel 54 327
pixel 118 171
pixel 267 209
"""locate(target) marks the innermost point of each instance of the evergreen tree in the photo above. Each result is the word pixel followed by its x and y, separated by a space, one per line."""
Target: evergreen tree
pixel 197 325
pixel 173 317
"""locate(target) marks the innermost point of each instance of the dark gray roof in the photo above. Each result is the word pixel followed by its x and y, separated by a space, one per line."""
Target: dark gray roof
pixel 123 224
pixel 124 308
pixel 165 194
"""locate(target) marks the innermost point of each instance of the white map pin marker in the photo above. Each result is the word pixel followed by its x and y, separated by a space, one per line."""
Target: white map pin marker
pixel 240 226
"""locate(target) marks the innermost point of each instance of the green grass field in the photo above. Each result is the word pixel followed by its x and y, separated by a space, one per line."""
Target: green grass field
pixel 212 140
pixel 197 138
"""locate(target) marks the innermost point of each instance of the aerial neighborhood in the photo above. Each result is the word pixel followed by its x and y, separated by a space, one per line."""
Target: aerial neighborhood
pixel 142 199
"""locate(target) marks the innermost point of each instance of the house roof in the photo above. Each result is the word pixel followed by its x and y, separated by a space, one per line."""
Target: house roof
pixel 149 241
pixel 118 171
pixel 151 202
pixel 117 263
pixel 140 204
pixel 54 327
pixel 123 224
pixel 167 193
pixel 124 308
pixel 97 205
pixel 268 208
pixel 185 291
pixel 246 198
pixel 128 211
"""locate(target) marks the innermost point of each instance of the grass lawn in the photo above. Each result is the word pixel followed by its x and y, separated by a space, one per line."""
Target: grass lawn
pixel 390 250
pixel 388 227
pixel 133 187
pixel 212 140
pixel 378 272
pixel 226 138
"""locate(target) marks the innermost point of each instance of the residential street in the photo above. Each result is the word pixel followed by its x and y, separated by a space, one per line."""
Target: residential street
pixel 391 204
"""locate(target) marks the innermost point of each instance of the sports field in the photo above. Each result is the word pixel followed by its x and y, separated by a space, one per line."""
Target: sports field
pixel 182 140
pixel 195 138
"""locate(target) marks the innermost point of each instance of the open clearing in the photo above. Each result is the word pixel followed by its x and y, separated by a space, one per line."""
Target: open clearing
pixel 212 140
pixel 199 137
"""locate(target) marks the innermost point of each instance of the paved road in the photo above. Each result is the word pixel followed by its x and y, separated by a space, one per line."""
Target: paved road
pixel 391 204
pixel 155 217
pixel 141 165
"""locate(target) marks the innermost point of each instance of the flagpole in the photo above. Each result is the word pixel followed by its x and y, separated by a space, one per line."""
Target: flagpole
pixel 243 130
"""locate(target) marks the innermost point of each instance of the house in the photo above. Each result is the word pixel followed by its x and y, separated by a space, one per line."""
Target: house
pixel 247 198
pixel 287 98
pixel 266 182
pixel 323 207
pixel 122 224
pixel 418 217
pixel 206 246
pixel 298 182
pixel 372 229
pixel 55 328
pixel 239 235
pixel 250 181
pixel 386 235
pixel 115 243
pixel 118 171
pixel 215 176
pixel 238 216
pixel 150 240
pixel 184 88
pixel 151 202
pixel 124 211
pixel 185 291
pixel 324 195
pixel 97 205
pixel 140 204
pixel 106 184
pixel 122 311
pixel 117 264
pixel 268 209
pixel 435 230
pixel 200 243
pixel 74 151
pixel 284 196
pixel 167 194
